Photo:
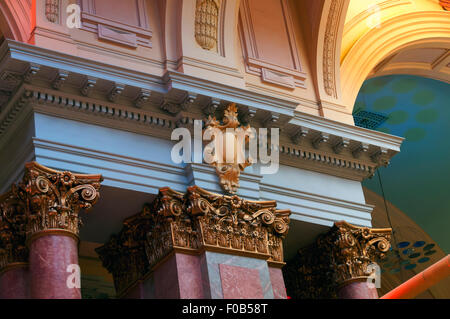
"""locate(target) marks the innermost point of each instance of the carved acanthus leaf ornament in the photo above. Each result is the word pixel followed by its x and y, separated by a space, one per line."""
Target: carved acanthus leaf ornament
pixel 192 223
pixel 54 198
pixel 340 256
pixel 12 229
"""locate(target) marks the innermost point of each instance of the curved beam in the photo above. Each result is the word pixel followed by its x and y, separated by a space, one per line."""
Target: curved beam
pixel 16 19
pixel 379 43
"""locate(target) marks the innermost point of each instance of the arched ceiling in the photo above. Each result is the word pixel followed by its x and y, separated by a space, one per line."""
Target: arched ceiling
pixel 432 61
pixel 393 37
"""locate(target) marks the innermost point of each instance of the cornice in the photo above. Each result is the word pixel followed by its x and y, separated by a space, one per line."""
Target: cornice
pixel 322 157
pixel 189 83
pixel 351 132
pixel 34 54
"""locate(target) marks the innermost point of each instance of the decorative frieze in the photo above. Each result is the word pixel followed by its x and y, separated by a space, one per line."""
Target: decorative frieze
pixel 337 258
pixel 192 223
pixel 54 198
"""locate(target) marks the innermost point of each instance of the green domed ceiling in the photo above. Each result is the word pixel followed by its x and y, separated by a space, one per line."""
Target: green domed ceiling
pixel 418 179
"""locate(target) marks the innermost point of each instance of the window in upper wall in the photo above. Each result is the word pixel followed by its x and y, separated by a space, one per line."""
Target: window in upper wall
pixel 119 21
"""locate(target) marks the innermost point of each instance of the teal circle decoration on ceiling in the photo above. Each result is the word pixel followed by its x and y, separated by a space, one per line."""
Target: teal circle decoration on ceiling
pixel 423 97
pixel 427 116
pixel 384 103
pixel 374 86
pixel 415 134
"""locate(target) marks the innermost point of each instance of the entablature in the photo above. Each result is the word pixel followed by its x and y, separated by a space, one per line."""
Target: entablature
pixel 78 89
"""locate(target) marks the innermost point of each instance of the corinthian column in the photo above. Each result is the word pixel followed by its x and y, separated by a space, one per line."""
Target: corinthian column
pixel 54 200
pixel 13 252
pixel 340 264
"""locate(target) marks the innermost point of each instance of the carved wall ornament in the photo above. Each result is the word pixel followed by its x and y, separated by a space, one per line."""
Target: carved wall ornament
pixel 192 223
pixel 206 23
pixel 229 169
pixel 338 257
pixel 54 199
pixel 12 229
pixel 52 10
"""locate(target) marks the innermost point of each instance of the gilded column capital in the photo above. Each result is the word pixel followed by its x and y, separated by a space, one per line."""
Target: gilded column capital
pixel 124 254
pixel 192 223
pixel 12 229
pixel 233 225
pixel 336 258
pixel 54 198
pixel 354 249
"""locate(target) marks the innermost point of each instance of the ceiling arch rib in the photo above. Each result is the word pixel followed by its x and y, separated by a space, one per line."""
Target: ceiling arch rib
pixel 417 29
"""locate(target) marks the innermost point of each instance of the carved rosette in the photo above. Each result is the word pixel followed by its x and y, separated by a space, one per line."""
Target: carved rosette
pixel 336 258
pixel 206 23
pixel 12 229
pixel 54 199
pixel 192 223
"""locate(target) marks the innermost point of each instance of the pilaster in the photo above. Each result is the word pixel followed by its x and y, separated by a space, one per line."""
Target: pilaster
pixel 195 243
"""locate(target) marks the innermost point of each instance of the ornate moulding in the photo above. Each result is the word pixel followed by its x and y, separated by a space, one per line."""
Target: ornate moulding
pixel 330 56
pixel 337 258
pixel 192 223
pixel 29 91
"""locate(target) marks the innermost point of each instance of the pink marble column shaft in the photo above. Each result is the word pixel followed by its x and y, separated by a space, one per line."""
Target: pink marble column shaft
pixel 50 255
pixel 276 277
pixel 14 282
pixel 358 290
pixel 179 277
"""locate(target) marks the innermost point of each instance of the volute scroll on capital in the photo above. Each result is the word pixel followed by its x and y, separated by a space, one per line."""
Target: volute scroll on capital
pixel 54 198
